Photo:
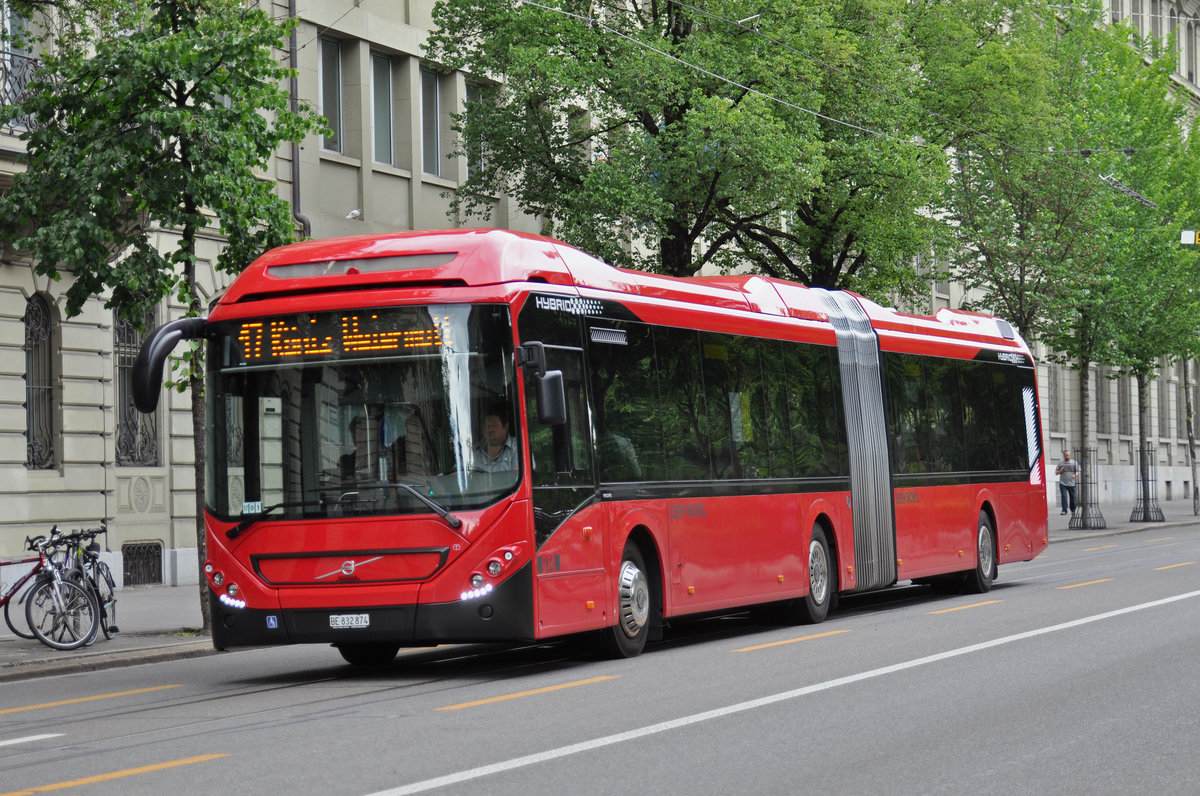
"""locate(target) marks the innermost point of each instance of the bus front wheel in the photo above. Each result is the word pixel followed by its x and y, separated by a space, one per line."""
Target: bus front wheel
pixel 627 638
pixel 979 580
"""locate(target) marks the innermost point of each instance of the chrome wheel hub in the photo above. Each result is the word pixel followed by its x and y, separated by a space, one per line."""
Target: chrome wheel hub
pixel 818 572
pixel 633 599
pixel 985 549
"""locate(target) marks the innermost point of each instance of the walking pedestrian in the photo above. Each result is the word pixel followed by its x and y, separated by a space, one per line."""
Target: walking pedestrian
pixel 1067 470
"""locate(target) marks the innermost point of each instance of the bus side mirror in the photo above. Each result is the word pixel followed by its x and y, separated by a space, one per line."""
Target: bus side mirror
pixel 147 373
pixel 551 392
pixel 551 398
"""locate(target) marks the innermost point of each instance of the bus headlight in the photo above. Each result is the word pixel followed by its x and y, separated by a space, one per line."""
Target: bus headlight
pixel 476 581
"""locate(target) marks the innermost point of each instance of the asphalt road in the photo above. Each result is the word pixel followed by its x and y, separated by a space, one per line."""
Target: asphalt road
pixel 1075 674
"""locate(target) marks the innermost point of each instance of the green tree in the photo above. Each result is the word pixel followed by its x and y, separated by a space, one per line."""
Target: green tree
pixel 164 124
pixel 667 136
pixel 1069 216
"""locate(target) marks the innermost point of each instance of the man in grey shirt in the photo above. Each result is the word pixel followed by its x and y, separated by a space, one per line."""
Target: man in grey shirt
pixel 1067 470
pixel 498 451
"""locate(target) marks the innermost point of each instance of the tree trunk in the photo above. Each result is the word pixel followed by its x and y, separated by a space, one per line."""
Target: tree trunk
pixel 196 388
pixel 1084 518
pixel 1147 509
pixel 1143 439
pixel 1191 433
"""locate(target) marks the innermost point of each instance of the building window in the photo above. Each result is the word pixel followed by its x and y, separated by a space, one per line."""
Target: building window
pixel 1181 401
pixel 331 92
pixel 1193 46
pixel 1116 11
pixel 39 385
pixel 1103 409
pixel 381 107
pixel 1164 403
pixel 477 148
pixel 1124 410
pixel 431 122
pixel 1054 399
pixel 137 434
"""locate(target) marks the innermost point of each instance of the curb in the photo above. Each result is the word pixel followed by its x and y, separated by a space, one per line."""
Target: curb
pixel 1069 536
pixel 91 662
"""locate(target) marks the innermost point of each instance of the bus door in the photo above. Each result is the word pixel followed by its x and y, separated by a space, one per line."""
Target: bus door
pixel 568 520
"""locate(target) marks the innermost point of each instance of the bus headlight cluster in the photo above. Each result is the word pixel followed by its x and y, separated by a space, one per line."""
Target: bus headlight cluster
pixel 225 599
pixel 479 591
pixel 228 595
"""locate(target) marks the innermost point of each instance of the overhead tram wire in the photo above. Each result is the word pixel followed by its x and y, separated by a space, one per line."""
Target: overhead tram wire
pixel 1085 151
pixel 714 75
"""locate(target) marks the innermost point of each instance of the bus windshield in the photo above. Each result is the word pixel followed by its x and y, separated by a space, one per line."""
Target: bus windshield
pixel 355 412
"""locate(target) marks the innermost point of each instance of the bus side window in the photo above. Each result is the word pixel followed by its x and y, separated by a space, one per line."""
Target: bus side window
pixel 624 374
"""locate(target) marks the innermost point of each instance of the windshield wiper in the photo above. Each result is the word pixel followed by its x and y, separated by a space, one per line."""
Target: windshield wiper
pixel 434 506
pixel 238 529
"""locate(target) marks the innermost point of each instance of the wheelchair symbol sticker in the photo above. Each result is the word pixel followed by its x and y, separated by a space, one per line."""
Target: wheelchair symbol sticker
pixel 272 622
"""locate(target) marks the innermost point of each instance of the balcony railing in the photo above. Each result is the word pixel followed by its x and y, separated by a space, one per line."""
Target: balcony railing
pixel 16 70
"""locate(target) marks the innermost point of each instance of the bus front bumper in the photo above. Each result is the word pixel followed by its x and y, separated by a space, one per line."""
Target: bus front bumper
pixel 505 614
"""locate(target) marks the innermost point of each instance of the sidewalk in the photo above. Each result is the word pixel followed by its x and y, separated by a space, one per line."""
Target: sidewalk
pixel 156 622
pixel 1176 513
pixel 159 622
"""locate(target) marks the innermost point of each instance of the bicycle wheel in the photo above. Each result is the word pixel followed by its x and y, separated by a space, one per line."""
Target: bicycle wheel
pixel 106 596
pixel 14 611
pixel 62 614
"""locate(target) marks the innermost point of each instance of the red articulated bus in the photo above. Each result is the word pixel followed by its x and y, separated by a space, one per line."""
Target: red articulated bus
pixel 480 435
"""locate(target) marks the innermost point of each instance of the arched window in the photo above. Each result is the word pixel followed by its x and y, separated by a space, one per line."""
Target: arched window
pixel 1173 30
pixel 39 385
pixel 137 434
pixel 1192 51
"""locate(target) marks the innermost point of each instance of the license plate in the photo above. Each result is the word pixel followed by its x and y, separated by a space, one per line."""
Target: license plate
pixel 349 620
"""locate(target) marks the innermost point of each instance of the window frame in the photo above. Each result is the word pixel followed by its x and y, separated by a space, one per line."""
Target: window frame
pixel 336 141
pixel 431 122
pixel 41 421
pixel 383 64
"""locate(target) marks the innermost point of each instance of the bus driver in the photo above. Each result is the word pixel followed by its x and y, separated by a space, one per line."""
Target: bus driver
pixel 498 450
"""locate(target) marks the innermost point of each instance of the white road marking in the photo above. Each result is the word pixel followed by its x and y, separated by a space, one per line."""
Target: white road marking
pixel 30 739
pixel 684 721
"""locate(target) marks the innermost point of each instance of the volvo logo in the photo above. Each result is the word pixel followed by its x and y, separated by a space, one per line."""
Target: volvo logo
pixel 348 568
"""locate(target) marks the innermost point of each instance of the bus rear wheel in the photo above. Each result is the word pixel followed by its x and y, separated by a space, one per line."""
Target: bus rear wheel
pixel 368 653
pixel 814 607
pixel 979 580
pixel 635 603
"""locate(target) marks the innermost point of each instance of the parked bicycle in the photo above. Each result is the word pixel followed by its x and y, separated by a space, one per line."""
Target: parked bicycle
pixel 84 566
pixel 13 597
pixel 61 611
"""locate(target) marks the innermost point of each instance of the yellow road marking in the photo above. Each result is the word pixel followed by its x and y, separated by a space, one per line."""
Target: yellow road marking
pixel 534 692
pixel 1089 583
pixel 1101 547
pixel 792 641
pixel 1164 539
pixel 87 699
pixel 129 772
pixel 963 607
pixel 1172 566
